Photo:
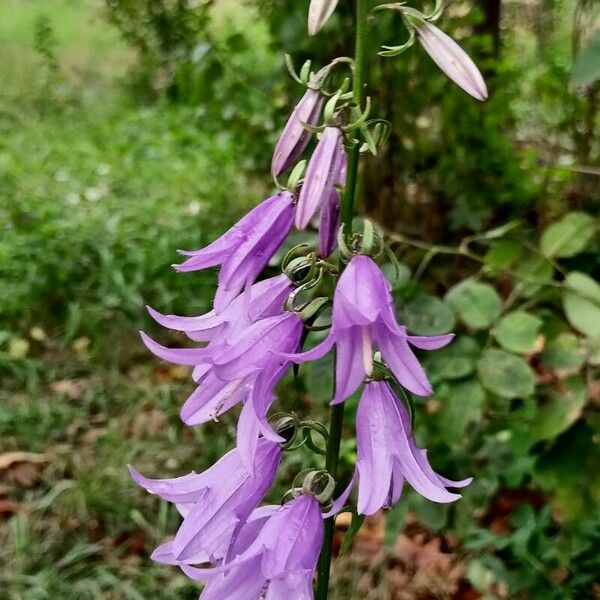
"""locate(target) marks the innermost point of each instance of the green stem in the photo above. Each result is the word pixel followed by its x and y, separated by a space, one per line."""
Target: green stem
pixel 360 66
pixel 347 213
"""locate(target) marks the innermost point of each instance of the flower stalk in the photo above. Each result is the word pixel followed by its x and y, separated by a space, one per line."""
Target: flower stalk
pixel 336 421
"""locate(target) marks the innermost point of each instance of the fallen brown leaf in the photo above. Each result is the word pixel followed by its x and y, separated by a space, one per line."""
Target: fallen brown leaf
pixel 10 458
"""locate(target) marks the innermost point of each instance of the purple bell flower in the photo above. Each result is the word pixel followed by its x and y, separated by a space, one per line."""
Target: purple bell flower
pixel 214 504
pixel 263 299
pixel 279 563
pixel 387 454
pixel 452 60
pixel 246 248
pixel 227 373
pixel 363 316
pixel 324 170
pixel 295 136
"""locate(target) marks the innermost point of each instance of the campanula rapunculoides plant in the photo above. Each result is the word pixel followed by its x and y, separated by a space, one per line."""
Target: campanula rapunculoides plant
pixel 257 330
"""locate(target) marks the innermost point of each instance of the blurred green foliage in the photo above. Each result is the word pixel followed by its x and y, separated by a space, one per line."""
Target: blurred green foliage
pixel 131 128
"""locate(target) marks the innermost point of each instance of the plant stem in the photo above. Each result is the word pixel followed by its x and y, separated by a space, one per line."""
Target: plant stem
pixel 347 213
pixel 360 65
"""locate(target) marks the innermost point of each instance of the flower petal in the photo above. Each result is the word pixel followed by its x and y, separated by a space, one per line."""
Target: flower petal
pixel 320 177
pixel 350 369
pixel 178 356
pixel 295 136
pixel 403 363
pixel 430 342
pixel 212 398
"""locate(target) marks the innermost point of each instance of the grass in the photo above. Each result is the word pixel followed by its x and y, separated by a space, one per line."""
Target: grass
pixel 97 194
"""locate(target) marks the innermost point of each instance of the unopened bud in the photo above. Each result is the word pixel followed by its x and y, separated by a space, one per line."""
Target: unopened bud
pixel 318 14
pixel 286 426
pixel 319 484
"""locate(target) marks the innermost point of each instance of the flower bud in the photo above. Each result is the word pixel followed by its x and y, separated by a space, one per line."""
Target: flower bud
pixel 319 13
pixel 452 60
pixel 286 426
pixel 319 484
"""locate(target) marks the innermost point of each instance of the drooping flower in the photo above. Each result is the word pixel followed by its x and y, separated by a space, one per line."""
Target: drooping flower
pixel 387 454
pixel 263 299
pixel 363 317
pixel 279 563
pixel 214 504
pixel 322 174
pixel 245 249
pixel 295 136
pixel 319 12
pixel 452 60
pixel 226 373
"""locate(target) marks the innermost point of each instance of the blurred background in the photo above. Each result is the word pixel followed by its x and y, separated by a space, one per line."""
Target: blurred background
pixel 131 128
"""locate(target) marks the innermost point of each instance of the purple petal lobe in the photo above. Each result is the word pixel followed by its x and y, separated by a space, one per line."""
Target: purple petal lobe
pixel 321 175
pixel 295 137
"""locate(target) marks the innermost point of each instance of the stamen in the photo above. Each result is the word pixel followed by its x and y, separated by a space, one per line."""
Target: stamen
pixel 230 390
pixel 262 595
pixel 367 350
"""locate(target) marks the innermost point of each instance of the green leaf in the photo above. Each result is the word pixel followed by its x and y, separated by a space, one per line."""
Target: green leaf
pixel 505 374
pixel 502 255
pixel 517 331
pixel 531 273
pixel 586 68
pixel 395 518
pixel 569 236
pixel 428 315
pixel 581 301
pixel 561 409
pixel 355 525
pixel 476 304
pixel 563 352
pixel 431 514
pixel 462 404
pixel 397 273
pixel 454 361
pixel 593 351
pixel 569 470
pixel 320 378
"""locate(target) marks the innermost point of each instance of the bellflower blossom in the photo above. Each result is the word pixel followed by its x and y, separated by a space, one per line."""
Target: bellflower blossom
pixel 387 454
pixel 246 248
pixel 363 316
pixel 214 504
pixel 322 173
pixel 295 137
pixel 226 374
pixel 263 299
pixel 279 563
pixel 452 60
